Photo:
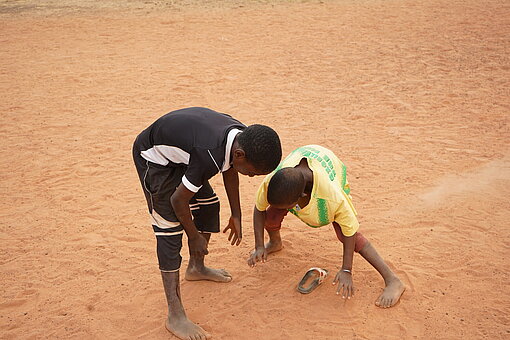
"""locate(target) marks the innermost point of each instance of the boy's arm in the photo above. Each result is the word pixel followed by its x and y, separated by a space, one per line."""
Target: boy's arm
pixel 344 276
pixel 260 253
pixel 231 183
pixel 345 216
pixel 180 203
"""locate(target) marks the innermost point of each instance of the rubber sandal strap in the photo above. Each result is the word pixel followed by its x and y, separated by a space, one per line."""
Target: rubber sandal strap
pixel 321 275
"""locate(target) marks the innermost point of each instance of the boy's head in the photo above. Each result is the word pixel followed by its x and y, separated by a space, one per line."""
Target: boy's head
pixel 257 150
pixel 285 188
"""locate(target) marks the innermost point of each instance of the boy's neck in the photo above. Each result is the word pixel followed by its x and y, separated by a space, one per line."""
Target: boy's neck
pixel 307 174
pixel 235 145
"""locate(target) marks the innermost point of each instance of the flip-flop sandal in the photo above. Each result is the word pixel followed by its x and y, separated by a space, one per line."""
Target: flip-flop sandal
pixel 320 276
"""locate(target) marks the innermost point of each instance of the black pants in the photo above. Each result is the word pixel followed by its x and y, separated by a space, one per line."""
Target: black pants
pixel 159 184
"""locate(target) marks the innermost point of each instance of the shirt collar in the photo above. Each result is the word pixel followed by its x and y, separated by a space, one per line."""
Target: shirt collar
pixel 230 140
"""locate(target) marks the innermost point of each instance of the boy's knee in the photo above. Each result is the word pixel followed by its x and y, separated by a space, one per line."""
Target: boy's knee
pixel 360 241
pixel 207 217
pixel 169 252
pixel 170 264
pixel 274 218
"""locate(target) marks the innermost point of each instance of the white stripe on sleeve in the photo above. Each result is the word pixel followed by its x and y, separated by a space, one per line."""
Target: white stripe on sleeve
pixel 191 187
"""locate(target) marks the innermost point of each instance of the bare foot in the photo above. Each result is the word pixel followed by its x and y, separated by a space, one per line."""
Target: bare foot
pixel 273 246
pixel 391 293
pixel 206 273
pixel 184 329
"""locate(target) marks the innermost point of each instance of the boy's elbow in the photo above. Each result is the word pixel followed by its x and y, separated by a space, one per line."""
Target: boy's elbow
pixel 181 197
pixel 174 200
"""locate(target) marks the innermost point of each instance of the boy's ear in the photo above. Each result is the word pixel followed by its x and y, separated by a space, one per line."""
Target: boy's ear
pixel 303 194
pixel 239 153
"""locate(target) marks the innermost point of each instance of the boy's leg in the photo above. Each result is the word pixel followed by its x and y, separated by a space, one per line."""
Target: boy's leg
pixel 168 232
pixel 169 243
pixel 273 224
pixel 274 219
pixel 205 207
pixel 177 322
pixel 275 241
pixel 394 288
pixel 197 270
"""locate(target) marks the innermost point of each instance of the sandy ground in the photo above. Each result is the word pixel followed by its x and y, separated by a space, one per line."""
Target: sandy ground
pixel 412 95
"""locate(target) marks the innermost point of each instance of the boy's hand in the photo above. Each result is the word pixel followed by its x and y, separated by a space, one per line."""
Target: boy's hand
pixel 236 233
pixel 259 254
pixel 198 246
pixel 345 285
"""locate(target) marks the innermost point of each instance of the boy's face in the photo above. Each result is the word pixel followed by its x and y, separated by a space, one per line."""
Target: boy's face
pixel 288 206
pixel 243 166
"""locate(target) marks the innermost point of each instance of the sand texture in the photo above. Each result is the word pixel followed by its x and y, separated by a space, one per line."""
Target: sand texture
pixel 413 96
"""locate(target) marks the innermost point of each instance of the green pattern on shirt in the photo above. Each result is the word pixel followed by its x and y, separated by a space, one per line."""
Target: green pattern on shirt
pixel 322 207
pixel 322 218
pixel 344 180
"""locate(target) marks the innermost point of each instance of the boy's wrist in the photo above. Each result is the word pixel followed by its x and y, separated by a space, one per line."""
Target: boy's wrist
pixel 192 235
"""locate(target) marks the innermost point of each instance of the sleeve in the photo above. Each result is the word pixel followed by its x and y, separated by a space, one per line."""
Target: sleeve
pixel 345 216
pixel 200 168
pixel 261 202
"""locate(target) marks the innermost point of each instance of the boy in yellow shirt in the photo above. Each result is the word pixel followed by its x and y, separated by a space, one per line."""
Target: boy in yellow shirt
pixel 312 184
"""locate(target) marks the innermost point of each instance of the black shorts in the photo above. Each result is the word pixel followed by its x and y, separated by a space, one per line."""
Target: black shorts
pixel 158 184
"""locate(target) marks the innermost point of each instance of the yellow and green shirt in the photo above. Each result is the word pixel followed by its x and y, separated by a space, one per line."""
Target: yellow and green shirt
pixel 330 200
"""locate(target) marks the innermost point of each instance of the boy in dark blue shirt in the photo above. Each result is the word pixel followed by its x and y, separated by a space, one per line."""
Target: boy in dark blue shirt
pixel 175 157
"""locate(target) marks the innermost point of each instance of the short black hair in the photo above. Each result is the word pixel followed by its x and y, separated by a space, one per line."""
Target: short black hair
pixel 261 146
pixel 285 187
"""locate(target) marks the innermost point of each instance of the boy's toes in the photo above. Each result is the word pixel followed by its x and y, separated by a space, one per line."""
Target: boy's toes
pixel 384 302
pixel 387 303
pixel 225 273
pixel 391 294
pixel 222 277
